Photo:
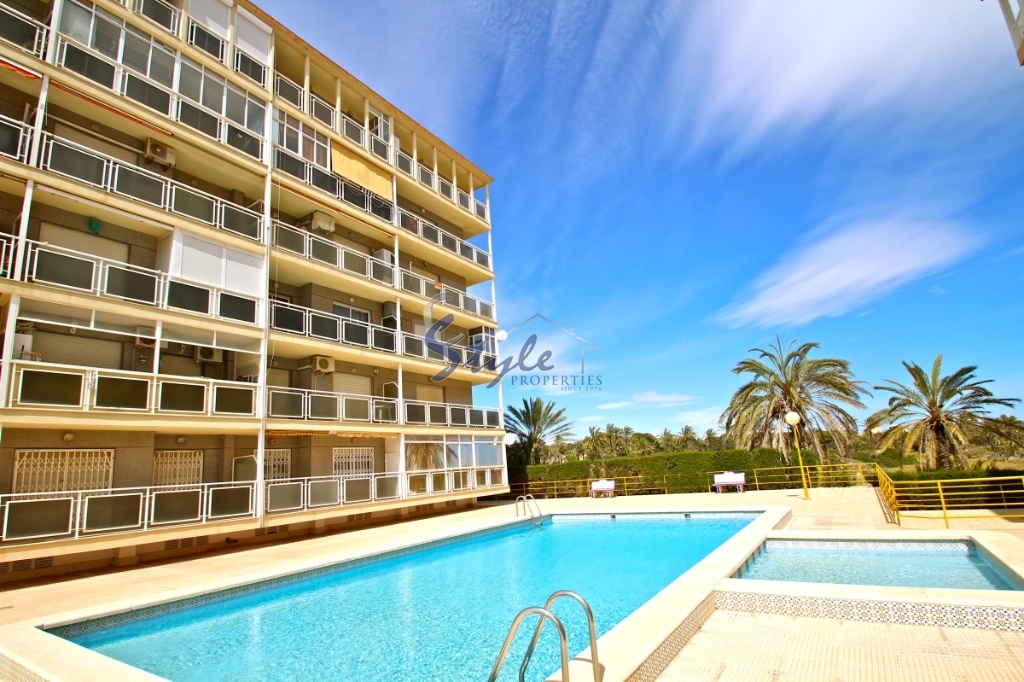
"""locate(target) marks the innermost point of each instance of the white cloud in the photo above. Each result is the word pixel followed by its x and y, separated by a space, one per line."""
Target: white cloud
pixel 848 267
pixel 590 419
pixel 701 420
pixel 615 406
pixel 652 399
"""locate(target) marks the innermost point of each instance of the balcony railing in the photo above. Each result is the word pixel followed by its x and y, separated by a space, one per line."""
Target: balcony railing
pixel 448 414
pixel 90 274
pixel 44 385
pixel 315 324
pixel 420 286
pixel 7 251
pixel 326 252
pixel 15 137
pixel 305 404
pixel 206 41
pixel 117 177
pixel 434 181
pixel 85 513
pixel 290 92
pixel 446 240
pixel 112 75
pixel 22 31
pixel 338 187
pixel 444 481
pixel 353 130
pixel 416 346
pixel 162 13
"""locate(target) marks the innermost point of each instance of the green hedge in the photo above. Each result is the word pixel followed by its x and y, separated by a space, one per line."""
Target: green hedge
pixel 948 474
pixel 676 471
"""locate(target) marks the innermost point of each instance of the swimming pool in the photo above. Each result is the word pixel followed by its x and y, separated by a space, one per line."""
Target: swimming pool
pixel 435 614
pixel 943 564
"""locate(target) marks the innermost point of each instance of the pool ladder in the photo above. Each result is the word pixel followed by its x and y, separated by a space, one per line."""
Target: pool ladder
pixel 530 507
pixel 546 614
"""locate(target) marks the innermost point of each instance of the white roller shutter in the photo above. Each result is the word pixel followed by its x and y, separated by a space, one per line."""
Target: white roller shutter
pixel 213 14
pixel 202 261
pixel 252 37
pixel 352 383
pixel 77 350
pixel 243 273
pixel 83 242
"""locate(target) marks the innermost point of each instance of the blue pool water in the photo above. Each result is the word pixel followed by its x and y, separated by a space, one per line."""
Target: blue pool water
pixel 437 614
pixel 950 565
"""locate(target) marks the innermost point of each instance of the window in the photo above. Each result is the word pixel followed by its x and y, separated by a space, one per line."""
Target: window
pixel 353 461
pixel 215 95
pixel 151 59
pixel 277 464
pixel 177 467
pixel 46 471
pixel 380 124
pixel 350 313
pixel 301 139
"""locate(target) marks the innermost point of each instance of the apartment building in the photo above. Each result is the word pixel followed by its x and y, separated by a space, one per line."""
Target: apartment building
pixel 220 254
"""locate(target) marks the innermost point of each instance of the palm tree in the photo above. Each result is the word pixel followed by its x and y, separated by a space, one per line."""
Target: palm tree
pixel 789 381
pixel 537 422
pixel 932 412
pixel 689 437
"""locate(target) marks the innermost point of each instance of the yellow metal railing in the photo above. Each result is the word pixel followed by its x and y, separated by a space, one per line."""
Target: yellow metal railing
pixel 959 498
pixel 816 475
pixel 580 487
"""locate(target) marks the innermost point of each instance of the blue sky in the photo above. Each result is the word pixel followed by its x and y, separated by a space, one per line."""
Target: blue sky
pixel 681 181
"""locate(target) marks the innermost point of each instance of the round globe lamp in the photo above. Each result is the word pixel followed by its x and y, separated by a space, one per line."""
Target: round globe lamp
pixel 793 419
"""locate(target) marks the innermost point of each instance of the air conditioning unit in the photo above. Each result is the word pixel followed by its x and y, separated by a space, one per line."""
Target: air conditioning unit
pixel 323 365
pixel 384 255
pixel 158 152
pixel 320 223
pixel 207 354
pixel 143 341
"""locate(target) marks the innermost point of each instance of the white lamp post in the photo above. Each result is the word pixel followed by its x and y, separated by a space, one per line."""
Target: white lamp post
pixel 793 419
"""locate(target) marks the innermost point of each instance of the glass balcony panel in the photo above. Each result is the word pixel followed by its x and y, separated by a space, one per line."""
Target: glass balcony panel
pixel 493 418
pixel 409 222
pixel 381 209
pixel 324 493
pixel 379 147
pixel 469 305
pixel 37 518
pixel 483 259
pixel 203 121
pixel 290 92
pixel 411 282
pixel 323 327
pixel 64 270
pixel 439 482
pixel 160 12
pixel 384 339
pixel 188 297
pixel 481 478
pixel 354 195
pixel 384 411
pixel 244 141
pixel 17 31
pixel 356 333
pixel 481 210
pixel 324 252
pixel 354 262
pixel 286 404
pixel 10 138
pixel 357 409
pixel 431 233
pixel 206 41
pixel 112 512
pixel 230 501
pixel 50 388
pixel 381 272
pixel 177 506
pixel 289 239
pixel 231 400
pixel 90 66
pixel 353 131
pixel 414 346
pixel 437 414
pixel 449 242
pixel 434 353
pixel 131 285
pixel 143 187
pixel 241 222
pixel 463 200
pixel 284 496
pixel 322 111
pixel 458 415
pixel 415 413
pixel 288 319
pixel 476 417
pixel 182 397
pixel 324 180
pixel 417 484
pixel 147 94
pixel 445 188
pixel 466 251
pixel 357 490
pixel 237 308
pixel 76 163
pixel 193 205
pixel 290 164
pixel 324 407
pixel 118 393
pixel 486 310
pixel 247 66
pixel 426 176
pixel 387 487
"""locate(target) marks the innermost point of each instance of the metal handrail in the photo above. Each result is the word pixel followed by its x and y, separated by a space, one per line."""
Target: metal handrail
pixel 544 615
pixel 527 509
pixel 440 237
pixel 590 623
pixel 39 36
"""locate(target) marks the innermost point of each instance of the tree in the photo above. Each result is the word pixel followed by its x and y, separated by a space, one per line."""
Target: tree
pixel 933 412
pixel 790 381
pixel 536 423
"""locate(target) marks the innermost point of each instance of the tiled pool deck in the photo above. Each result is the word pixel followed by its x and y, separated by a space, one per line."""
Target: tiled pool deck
pixel 651 643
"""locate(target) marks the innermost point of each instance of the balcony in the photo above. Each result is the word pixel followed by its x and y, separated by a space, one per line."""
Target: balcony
pixel 15 138
pixel 449 414
pixel 161 13
pixel 316 249
pixel 68 269
pixel 159 97
pixel 454 298
pixel 41 385
pixel 446 240
pixel 305 404
pixel 443 481
pixel 433 181
pixel 23 32
pixel 119 178
pixel 339 188
pixel 315 324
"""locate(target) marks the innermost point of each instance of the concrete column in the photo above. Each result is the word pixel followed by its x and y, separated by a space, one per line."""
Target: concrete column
pixel 8 351
pixel 339 126
pixel 307 101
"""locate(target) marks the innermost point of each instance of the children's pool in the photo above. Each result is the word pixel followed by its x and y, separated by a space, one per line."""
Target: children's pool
pixel 435 614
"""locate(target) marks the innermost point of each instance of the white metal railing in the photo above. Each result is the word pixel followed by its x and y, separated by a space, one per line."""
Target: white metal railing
pixel 426 176
pixel 380 148
pixel 448 414
pixel 306 404
pixel 290 91
pixel 22 31
pixel 85 513
pixel 45 385
pixel 15 139
pixel 338 187
pixel 293 319
pixel 202 38
pixel 7 252
pixel 159 97
pixel 322 110
pixel 162 13
pixel 326 252
pixel 117 177
pixel 416 346
pixel 70 269
pixel 444 481
pixel 353 130
pixel 455 298
pixel 446 240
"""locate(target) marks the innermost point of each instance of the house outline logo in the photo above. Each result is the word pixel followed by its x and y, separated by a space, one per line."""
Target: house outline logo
pixel 503 334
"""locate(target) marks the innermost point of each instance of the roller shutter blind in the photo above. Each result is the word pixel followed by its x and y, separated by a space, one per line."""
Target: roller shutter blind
pixel 92 142
pixel 202 261
pixel 352 383
pixel 212 14
pixel 243 272
pixel 350 166
pixel 77 350
pixel 252 38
